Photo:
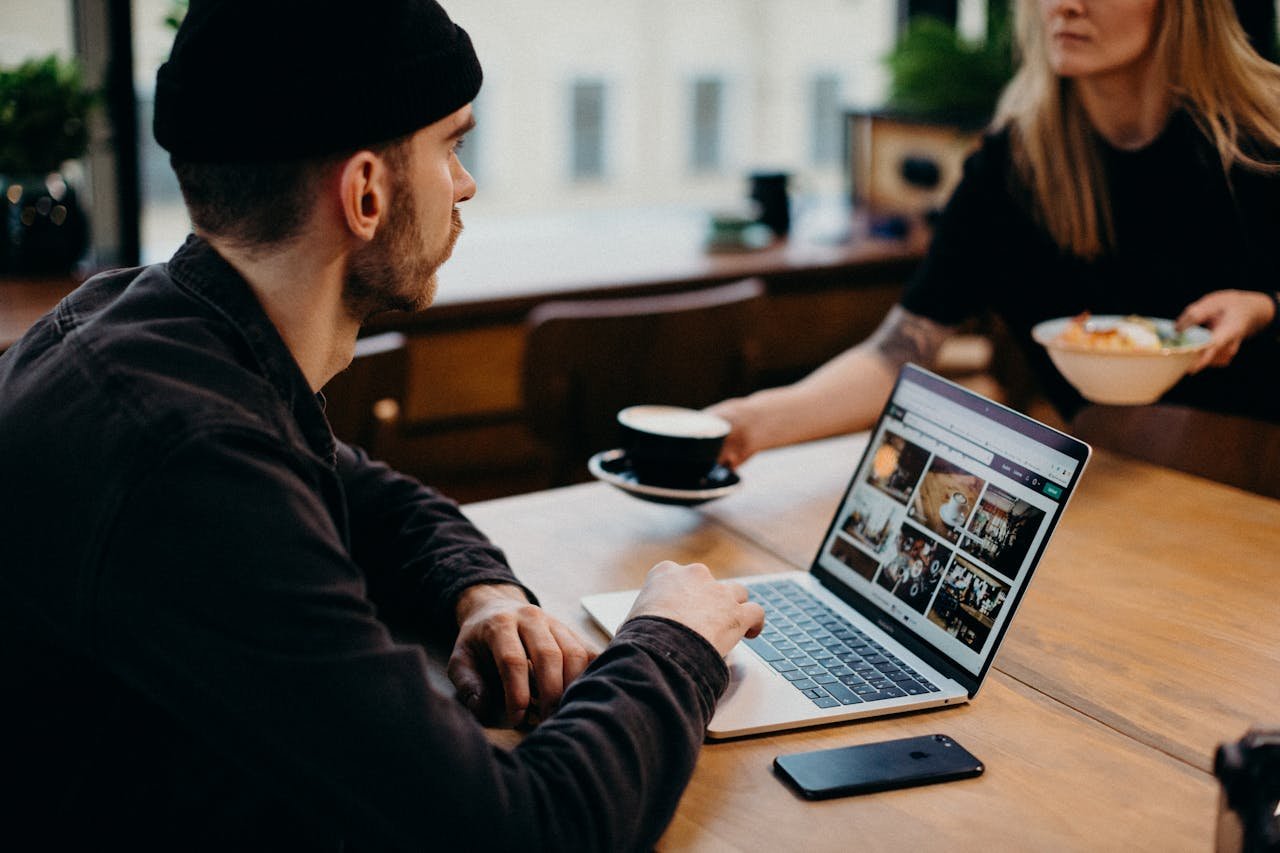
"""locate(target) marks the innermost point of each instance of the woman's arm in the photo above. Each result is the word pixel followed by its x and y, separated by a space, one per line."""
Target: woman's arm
pixel 844 395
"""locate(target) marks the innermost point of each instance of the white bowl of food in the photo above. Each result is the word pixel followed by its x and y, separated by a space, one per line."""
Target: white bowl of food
pixel 1120 360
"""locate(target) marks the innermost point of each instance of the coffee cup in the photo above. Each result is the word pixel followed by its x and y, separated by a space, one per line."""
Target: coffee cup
pixel 671 446
pixel 769 190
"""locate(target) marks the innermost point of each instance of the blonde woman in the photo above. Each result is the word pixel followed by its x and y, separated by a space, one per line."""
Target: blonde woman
pixel 1133 167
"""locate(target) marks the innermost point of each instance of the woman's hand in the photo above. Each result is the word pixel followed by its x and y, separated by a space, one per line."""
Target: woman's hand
pixel 1232 316
pixel 741 444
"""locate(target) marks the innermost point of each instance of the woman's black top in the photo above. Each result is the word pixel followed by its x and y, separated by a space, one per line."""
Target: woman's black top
pixel 1183 228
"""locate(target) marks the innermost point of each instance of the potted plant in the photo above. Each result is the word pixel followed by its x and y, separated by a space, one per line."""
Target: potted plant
pixel 936 75
pixel 44 110
pixel 907 157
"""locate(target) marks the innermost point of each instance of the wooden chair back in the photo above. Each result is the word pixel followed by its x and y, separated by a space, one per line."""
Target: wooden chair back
pixel 363 402
pixel 586 359
pixel 1230 449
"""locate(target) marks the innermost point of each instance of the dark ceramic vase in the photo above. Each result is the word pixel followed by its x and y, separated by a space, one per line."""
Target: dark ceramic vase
pixel 45 230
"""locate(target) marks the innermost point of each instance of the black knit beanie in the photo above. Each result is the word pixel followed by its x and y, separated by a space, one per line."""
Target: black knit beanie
pixel 272 80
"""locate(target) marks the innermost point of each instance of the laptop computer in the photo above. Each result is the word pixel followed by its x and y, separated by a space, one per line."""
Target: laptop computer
pixel 918 576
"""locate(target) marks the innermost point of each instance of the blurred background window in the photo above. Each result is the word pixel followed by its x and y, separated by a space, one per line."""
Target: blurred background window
pixel 705 124
pixel 588 130
pixel 825 117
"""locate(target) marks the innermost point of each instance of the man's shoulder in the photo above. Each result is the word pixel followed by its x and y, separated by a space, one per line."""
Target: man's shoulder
pixel 116 387
pixel 128 352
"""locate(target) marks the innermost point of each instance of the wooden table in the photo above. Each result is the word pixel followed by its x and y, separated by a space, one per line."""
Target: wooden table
pixel 1148 635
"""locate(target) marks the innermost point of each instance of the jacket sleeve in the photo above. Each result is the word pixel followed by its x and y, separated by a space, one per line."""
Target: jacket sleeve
pixel 417 549
pixel 234 608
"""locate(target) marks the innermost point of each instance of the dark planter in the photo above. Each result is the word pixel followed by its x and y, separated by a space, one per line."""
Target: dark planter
pixel 45 230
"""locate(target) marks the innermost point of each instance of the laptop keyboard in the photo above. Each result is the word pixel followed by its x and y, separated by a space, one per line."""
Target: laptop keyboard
pixel 823 655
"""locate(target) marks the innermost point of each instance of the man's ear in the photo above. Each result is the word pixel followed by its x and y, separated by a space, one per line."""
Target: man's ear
pixel 364 192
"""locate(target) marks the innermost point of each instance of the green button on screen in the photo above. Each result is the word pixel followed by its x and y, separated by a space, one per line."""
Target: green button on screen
pixel 1053 490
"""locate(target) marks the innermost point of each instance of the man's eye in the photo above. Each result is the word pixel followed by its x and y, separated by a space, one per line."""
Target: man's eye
pixel 457 146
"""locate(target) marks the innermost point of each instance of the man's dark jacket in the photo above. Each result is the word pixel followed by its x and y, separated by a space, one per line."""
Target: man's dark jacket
pixel 197 589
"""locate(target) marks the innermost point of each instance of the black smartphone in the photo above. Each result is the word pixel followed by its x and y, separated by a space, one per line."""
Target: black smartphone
pixel 877 766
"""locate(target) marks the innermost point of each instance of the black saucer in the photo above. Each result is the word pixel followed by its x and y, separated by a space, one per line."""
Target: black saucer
pixel 613 467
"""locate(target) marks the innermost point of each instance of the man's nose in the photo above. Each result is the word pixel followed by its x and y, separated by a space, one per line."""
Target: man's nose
pixel 464 186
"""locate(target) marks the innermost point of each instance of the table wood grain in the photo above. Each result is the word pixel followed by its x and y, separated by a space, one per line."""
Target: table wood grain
pixel 1156 609
pixel 1054 780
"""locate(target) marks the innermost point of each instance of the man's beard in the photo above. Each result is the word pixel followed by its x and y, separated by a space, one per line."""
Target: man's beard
pixel 394 272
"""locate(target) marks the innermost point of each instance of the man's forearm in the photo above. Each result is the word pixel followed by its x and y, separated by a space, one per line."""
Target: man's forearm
pixel 475 597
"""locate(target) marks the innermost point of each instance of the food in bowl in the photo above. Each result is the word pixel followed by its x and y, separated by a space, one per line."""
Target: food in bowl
pixel 1130 334
pixel 1120 360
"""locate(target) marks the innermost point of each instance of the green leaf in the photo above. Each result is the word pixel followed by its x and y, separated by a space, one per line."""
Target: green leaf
pixel 44 109
pixel 936 73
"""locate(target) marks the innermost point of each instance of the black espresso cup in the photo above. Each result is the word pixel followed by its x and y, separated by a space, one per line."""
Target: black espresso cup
pixel 671 446
pixel 769 190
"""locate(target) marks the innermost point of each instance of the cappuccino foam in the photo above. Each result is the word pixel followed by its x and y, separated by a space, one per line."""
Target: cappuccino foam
pixel 674 421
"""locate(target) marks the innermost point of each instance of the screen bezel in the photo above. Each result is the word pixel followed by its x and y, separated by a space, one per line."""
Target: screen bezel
pixel 1000 414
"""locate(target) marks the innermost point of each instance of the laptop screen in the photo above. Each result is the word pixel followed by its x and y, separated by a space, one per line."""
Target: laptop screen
pixel 946 517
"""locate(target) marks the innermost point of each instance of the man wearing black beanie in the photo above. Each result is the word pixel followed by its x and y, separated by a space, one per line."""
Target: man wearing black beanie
pixel 201 664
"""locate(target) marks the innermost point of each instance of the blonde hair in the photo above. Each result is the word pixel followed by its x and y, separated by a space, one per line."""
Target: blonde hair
pixel 1213 73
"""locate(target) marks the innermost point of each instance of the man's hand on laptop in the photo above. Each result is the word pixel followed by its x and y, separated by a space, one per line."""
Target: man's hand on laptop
pixel 504 638
pixel 688 594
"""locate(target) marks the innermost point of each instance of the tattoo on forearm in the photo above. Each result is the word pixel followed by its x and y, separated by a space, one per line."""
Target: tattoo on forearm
pixel 904 337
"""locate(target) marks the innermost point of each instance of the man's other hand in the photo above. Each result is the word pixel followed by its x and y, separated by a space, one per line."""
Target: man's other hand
pixel 513 653
pixel 718 610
